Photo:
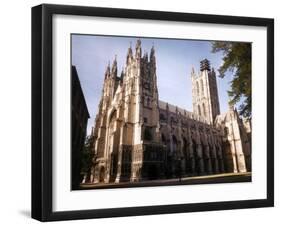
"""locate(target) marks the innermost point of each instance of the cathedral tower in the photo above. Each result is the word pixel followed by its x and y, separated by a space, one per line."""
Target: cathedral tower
pixel 141 94
pixel 205 92
pixel 141 115
pixel 126 133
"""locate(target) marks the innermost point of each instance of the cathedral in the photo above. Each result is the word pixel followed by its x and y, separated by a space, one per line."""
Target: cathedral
pixel 138 137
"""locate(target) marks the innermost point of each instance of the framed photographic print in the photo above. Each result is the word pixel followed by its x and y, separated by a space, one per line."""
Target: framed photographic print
pixel 145 112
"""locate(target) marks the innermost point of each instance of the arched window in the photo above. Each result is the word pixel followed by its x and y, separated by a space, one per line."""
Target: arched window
pixel 184 145
pixel 194 148
pixel 199 110
pixel 174 143
pixel 204 110
pixel 202 86
pixel 196 156
pixel 197 88
pixel 112 120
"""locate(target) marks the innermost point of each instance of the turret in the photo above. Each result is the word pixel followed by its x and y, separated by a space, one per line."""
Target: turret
pixel 129 54
pixel 145 57
pixel 205 92
pixel 193 74
pixel 114 68
pixel 107 71
pixel 205 65
pixel 152 55
pixel 138 49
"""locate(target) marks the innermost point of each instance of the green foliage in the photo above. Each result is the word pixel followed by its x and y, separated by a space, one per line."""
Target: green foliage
pixel 87 155
pixel 237 59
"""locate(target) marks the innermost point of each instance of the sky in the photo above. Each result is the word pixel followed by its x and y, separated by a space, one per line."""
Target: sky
pixel 174 61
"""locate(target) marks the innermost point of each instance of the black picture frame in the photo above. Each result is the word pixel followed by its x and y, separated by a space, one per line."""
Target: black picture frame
pixel 42 111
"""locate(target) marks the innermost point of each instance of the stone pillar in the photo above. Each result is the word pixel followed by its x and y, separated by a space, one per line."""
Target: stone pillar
pixel 173 168
pixel 220 160
pixel 214 157
pixel 96 174
pixel 92 175
pixel 191 160
pixel 200 159
pixel 241 163
pixel 107 171
pixel 193 167
pixel 234 163
pixel 208 167
pixel 183 167
pixel 119 164
pixel 133 176
pixel 233 155
pixel 222 167
pixel 215 165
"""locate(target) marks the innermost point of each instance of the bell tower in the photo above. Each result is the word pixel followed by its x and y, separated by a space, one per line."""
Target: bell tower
pixel 205 92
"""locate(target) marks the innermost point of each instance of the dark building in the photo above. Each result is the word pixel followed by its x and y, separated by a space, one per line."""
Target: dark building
pixel 79 120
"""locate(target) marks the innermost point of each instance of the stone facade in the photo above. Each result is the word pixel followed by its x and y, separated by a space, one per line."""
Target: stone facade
pixel 139 137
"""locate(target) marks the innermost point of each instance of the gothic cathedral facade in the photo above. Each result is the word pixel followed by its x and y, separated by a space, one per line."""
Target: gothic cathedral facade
pixel 139 137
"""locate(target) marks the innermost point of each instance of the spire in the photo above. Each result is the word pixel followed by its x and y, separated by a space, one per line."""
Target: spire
pixel 145 57
pixel 130 52
pixel 213 73
pixel 138 44
pixel 107 71
pixel 192 71
pixel 138 49
pixel 152 53
pixel 114 67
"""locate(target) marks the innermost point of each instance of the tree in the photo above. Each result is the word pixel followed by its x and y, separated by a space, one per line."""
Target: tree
pixel 87 155
pixel 237 59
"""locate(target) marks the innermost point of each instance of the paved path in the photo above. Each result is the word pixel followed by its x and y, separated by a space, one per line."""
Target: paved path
pixel 207 179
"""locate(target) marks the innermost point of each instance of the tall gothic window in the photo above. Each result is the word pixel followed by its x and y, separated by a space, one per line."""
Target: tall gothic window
pixel 202 87
pixel 197 88
pixel 204 110
pixel 195 154
pixel 112 120
pixel 185 148
pixel 184 144
pixel 199 110
pixel 174 144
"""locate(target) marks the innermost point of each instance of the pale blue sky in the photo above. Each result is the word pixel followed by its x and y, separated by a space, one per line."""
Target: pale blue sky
pixel 174 60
